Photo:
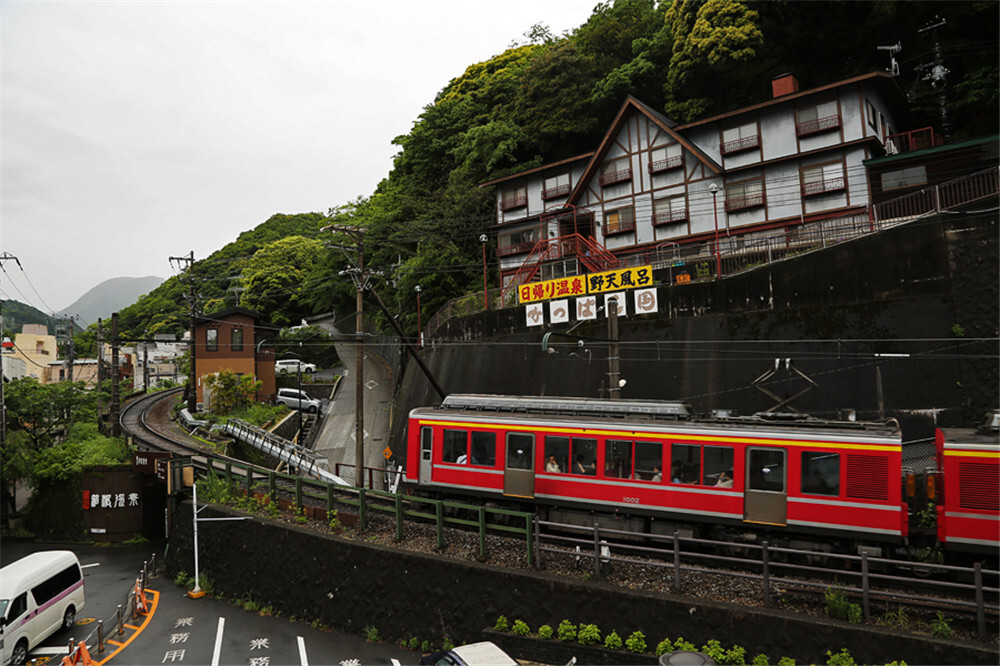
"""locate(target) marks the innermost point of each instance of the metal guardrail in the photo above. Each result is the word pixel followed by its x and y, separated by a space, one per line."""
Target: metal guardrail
pixel 680 554
pixel 332 497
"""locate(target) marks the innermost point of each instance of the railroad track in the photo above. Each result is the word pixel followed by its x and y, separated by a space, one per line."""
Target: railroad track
pixel 140 417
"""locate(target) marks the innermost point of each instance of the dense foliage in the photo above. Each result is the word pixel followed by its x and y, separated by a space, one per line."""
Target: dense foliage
pixel 551 97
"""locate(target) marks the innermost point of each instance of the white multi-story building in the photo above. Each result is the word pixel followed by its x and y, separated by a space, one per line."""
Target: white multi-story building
pixel 654 186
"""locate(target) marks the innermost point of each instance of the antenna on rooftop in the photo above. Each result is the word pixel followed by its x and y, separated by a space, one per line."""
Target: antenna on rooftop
pixel 893 49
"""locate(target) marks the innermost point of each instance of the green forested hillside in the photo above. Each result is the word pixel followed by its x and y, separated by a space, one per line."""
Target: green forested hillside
pixel 550 97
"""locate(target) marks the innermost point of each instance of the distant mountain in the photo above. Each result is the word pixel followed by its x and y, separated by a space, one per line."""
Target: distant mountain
pixel 110 296
pixel 17 314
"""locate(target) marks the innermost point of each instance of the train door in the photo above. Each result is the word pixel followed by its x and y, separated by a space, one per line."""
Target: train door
pixel 765 499
pixel 519 465
pixel 426 440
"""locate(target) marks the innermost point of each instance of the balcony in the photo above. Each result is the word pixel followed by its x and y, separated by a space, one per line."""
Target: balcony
pixel 808 127
pixel 553 192
pixel 515 248
pixel 742 203
pixel 668 164
pixel 918 139
pixel 623 227
pixel 615 177
pixel 671 217
pixel 823 186
pixel 514 202
pixel 739 145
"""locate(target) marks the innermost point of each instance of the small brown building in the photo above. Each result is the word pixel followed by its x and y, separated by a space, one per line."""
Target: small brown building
pixel 235 339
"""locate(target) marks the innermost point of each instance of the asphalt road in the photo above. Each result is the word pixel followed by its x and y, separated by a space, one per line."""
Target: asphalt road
pixel 182 630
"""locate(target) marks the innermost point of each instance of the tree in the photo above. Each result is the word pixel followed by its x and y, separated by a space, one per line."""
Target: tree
pixel 275 278
pixel 231 392
pixel 44 411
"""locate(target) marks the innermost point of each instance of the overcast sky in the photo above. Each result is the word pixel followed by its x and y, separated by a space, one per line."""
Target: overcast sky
pixel 136 131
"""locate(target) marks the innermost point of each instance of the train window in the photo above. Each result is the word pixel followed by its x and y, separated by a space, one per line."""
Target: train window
pixel 718 467
pixel 556 453
pixel 584 455
pixel 455 443
pixel 519 450
pixel 484 449
pixel 766 470
pixel 618 458
pixel 649 461
pixel 426 438
pixel 820 473
pixel 685 466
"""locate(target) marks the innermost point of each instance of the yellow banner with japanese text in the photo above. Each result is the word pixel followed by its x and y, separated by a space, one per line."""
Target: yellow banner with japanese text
pixel 592 283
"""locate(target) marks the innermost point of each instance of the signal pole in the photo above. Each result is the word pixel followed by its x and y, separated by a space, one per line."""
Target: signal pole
pixel 115 378
pixel 3 405
pixel 188 262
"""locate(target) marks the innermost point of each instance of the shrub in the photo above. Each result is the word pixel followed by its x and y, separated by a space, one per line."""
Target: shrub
pixel 838 606
pixel 613 641
pixel 636 642
pixel 333 520
pixel 426 646
pixel 183 579
pixel 520 628
pixel 664 647
pixel 682 644
pixel 501 624
pixel 940 626
pixel 413 643
pixel 786 661
pixel 545 631
pixel 371 634
pixel 567 631
pixel 714 650
pixel 589 634
pixel 761 660
pixel 842 658
pixel 735 656
pixel 447 644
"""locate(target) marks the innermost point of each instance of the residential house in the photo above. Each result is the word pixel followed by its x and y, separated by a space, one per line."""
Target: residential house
pixel 37 349
pixel 234 339
pixel 654 188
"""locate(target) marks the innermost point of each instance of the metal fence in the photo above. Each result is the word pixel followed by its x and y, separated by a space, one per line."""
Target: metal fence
pixel 867 576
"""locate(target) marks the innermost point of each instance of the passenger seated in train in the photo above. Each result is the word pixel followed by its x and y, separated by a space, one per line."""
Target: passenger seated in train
pixel 725 479
pixel 579 467
pixel 552 465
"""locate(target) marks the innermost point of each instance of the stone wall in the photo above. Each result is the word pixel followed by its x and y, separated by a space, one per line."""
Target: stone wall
pixel 348 585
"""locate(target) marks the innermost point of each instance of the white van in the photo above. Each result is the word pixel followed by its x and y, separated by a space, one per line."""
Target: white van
pixel 39 594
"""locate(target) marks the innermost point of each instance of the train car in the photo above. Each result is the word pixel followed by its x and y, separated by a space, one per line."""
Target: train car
pixel 654 466
pixel 968 460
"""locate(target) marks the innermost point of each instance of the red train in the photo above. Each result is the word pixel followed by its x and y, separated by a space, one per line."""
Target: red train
pixel 654 466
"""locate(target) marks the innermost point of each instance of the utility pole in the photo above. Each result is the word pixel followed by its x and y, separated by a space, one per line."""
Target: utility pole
pixel 100 374
pixel 3 405
pixel 614 373
pixel 115 378
pixel 65 332
pixel 360 280
pixel 188 261
pixel 937 75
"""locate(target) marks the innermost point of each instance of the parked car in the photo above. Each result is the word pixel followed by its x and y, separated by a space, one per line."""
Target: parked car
pixel 473 654
pixel 297 399
pixel 294 365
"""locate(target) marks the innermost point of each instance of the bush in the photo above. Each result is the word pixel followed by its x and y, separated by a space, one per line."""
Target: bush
pixel 761 660
pixel 520 628
pixel 664 647
pixel 413 643
pixel 842 658
pixel 545 631
pixel 371 634
pixel 501 624
pixel 613 641
pixel 940 626
pixel 839 607
pixel 589 634
pixel 786 661
pixel 636 642
pixel 736 656
pixel 567 631
pixel 426 646
pixel 714 650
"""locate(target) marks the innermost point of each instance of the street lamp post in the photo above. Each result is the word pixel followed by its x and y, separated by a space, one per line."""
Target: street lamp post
pixel 486 291
pixel 420 330
pixel 714 189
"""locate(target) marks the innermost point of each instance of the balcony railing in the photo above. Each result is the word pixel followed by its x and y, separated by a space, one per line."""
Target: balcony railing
pixel 740 203
pixel 819 125
pixel 917 139
pixel 737 145
pixel 622 227
pixel 553 192
pixel 514 202
pixel 823 186
pixel 670 217
pixel 615 177
pixel 515 248
pixel 659 166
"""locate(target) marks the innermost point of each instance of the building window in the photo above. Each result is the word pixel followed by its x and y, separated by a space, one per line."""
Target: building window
pixel 911 177
pixel 615 171
pixel 823 178
pixel 237 340
pixel 872 115
pixel 666 158
pixel 818 118
pixel 669 210
pixel 517 242
pixel 748 194
pixel 740 138
pixel 619 221
pixel 514 197
pixel 555 186
pixel 211 339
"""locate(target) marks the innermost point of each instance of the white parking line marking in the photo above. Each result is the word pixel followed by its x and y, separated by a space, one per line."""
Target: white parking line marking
pixel 218 642
pixel 302 652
